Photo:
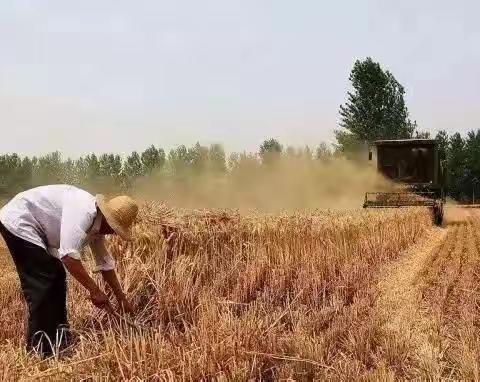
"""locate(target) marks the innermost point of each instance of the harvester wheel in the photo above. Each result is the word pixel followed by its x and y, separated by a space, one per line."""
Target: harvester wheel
pixel 438 213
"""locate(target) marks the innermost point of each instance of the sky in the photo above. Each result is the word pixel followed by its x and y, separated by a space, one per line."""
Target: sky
pixel 116 76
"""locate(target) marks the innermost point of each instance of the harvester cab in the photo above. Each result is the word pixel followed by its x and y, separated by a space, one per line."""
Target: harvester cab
pixel 413 165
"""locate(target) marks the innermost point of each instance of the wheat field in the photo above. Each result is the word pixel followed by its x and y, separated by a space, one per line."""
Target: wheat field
pixel 224 296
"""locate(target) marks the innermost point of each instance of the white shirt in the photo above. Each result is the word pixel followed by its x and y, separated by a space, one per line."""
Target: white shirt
pixel 61 219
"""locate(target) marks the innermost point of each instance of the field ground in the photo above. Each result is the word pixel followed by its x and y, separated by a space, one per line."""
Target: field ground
pixel 305 297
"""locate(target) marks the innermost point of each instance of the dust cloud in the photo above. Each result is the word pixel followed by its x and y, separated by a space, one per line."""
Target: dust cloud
pixel 289 184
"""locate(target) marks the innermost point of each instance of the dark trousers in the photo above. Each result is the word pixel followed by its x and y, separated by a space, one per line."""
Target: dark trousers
pixel 44 286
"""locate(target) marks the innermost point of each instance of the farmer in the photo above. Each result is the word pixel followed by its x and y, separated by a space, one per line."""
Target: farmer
pixel 45 229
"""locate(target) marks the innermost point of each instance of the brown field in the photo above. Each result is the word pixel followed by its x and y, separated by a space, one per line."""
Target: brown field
pixel 328 295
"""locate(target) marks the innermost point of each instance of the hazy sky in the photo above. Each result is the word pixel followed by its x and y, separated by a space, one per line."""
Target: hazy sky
pixel 90 75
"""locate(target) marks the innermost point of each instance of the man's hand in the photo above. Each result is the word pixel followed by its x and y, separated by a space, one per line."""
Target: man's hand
pixel 100 300
pixel 111 279
pixel 125 306
pixel 76 269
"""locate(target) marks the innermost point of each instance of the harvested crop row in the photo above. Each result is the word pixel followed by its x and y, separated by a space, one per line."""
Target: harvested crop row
pixel 450 286
pixel 222 295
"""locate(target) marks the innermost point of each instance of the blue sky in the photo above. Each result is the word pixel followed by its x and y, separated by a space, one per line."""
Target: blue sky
pixel 82 76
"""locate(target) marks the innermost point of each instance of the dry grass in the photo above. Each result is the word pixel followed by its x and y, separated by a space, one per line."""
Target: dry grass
pixel 451 295
pixel 224 296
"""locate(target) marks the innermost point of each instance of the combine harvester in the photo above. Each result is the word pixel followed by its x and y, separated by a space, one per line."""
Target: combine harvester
pixel 413 165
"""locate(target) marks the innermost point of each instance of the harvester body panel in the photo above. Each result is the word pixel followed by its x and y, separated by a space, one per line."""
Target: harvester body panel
pixel 411 161
pixel 413 164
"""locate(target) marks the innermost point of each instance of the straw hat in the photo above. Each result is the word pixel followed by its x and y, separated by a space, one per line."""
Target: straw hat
pixel 120 213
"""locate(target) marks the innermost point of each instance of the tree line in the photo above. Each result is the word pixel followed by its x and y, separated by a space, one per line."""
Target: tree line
pixel 460 159
pixel 111 172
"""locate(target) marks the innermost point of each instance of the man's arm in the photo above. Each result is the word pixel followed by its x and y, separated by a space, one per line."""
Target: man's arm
pixel 76 269
pixel 111 279
pixel 106 264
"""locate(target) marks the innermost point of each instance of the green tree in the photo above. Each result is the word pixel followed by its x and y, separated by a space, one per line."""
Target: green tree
pixel 89 170
pixel 10 165
pixel 217 158
pixel 299 152
pixel 472 161
pixel 456 164
pixel 472 152
pixel 197 158
pixel 244 167
pixel 25 173
pixel 442 141
pixel 152 159
pixel 133 166
pixel 92 166
pixel 109 173
pixel 307 153
pixel 49 169
pixel 178 160
pixel 81 171
pixel 70 175
pixel 323 152
pixel 109 166
pixel 270 150
pixel 375 109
